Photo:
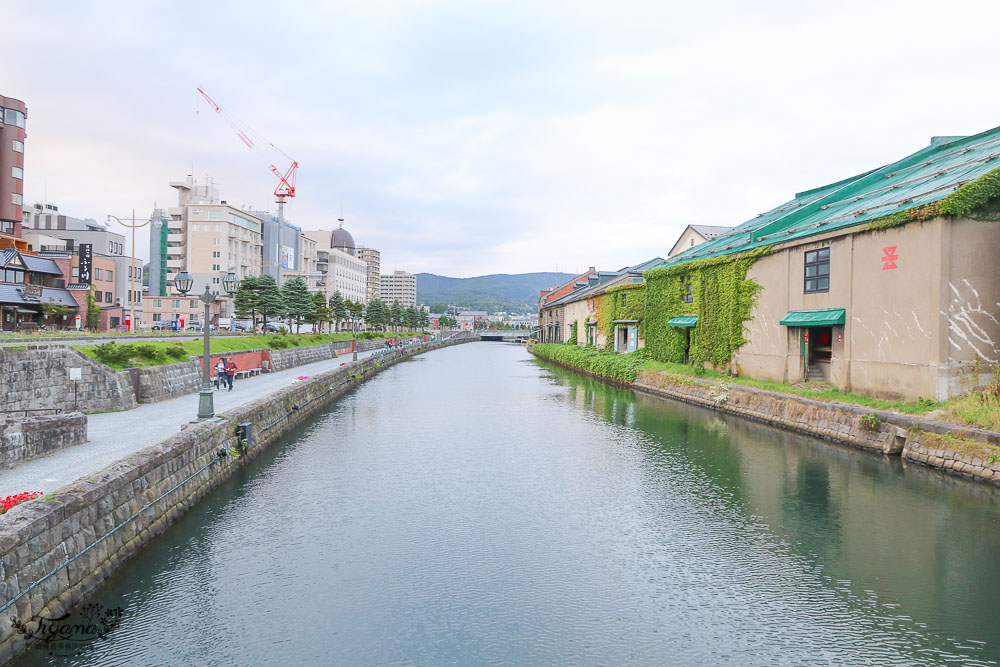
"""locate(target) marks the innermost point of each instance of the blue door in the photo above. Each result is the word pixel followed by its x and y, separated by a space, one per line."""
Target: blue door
pixel 632 339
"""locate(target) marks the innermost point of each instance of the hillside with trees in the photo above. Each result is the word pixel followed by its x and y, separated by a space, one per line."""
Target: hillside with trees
pixel 496 292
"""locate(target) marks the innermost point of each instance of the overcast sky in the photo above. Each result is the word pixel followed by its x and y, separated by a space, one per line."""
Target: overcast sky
pixel 464 138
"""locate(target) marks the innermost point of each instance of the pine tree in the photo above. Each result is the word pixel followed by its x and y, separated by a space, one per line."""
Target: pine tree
pixel 246 301
pixel 269 298
pixel 298 303
pixel 424 319
pixel 396 315
pixel 375 314
pixel 410 318
pixel 321 311
pixel 337 309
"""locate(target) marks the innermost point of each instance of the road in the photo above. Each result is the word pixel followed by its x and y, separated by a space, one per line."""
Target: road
pixel 114 435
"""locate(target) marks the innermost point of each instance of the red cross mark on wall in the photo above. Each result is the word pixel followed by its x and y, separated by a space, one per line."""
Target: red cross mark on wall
pixel 889 258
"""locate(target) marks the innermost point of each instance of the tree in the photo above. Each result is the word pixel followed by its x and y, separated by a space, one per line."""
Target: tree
pixel 357 308
pixel 376 314
pixel 424 320
pixel 396 315
pixel 321 311
pixel 439 307
pixel 93 311
pixel 246 301
pixel 269 298
pixel 337 309
pixel 297 301
pixel 410 318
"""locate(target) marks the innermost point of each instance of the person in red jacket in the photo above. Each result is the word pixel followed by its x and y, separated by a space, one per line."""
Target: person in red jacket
pixel 230 372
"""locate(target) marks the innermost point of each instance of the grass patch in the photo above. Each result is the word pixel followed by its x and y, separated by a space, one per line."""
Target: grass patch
pixel 158 353
pixel 959 445
pixel 604 363
pixel 917 407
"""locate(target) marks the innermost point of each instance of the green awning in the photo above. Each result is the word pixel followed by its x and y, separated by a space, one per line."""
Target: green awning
pixel 824 317
pixel 683 321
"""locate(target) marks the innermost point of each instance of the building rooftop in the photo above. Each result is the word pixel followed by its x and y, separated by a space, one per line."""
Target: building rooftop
pixel 925 177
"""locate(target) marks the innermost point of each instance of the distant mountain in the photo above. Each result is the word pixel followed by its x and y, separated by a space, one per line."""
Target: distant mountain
pixel 498 292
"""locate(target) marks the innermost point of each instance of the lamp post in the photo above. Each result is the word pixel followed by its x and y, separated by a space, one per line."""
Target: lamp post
pixel 131 269
pixel 183 283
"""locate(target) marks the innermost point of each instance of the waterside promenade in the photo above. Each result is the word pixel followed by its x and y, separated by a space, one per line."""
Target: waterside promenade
pixel 114 435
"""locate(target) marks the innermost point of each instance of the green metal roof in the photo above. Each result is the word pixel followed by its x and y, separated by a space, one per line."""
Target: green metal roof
pixel 927 176
pixel 683 321
pixel 824 317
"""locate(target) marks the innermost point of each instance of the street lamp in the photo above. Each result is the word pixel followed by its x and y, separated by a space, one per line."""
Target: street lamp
pixel 131 269
pixel 183 283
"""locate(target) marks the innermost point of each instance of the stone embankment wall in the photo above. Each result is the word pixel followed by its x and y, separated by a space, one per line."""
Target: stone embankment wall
pixel 42 535
pixel 37 377
pixel 299 356
pixel 23 439
pixel 967 452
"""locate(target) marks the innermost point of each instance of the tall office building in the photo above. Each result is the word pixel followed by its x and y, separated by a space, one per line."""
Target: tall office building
pixel 337 270
pixel 372 259
pixel 204 236
pixel 13 117
pixel 399 286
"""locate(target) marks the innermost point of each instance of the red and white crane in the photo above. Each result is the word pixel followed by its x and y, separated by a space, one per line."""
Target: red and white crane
pixel 250 137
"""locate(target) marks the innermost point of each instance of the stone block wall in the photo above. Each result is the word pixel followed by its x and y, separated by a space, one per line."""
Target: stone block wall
pixel 299 356
pixel 23 439
pixel 37 376
pixel 42 535
pixel 158 383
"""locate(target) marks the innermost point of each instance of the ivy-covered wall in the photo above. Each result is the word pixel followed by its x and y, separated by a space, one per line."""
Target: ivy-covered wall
pixel 723 299
pixel 622 302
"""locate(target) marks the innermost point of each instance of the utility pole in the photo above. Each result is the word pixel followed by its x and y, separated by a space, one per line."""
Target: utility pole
pixel 131 269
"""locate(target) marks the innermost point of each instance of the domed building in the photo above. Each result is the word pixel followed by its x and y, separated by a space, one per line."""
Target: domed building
pixel 341 239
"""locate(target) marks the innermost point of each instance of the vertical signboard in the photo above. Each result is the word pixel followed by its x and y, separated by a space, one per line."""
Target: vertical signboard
pixel 287 257
pixel 86 263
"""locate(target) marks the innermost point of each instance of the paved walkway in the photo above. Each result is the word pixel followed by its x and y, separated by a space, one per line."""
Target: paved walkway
pixel 114 435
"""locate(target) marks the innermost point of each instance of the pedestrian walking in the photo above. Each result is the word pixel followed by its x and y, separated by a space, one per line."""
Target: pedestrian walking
pixel 230 372
pixel 220 371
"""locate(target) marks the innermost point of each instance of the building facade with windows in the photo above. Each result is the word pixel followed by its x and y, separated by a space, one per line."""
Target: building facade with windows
pixel 885 283
pixel 49 231
pixel 373 260
pixel 206 237
pixel 13 119
pixel 398 286
pixel 183 310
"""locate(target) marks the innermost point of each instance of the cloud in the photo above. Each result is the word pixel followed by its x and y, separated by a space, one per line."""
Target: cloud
pixel 465 139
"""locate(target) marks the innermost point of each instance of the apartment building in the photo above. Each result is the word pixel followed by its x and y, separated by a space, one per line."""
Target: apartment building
pixel 13 117
pixel 372 258
pixel 398 286
pixel 204 236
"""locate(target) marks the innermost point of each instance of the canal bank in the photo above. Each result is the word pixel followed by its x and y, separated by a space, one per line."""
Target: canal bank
pixel 57 549
pixel 475 506
pixel 963 451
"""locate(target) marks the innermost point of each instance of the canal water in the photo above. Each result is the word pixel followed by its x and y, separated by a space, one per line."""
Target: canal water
pixel 475 506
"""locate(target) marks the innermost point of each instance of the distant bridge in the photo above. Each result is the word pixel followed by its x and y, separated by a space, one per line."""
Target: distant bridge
pixel 506 335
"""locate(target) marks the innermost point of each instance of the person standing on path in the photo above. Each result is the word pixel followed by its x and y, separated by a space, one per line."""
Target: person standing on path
pixel 220 371
pixel 230 372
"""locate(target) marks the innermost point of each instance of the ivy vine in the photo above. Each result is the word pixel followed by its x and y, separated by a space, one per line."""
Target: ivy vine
pixel 976 200
pixel 622 302
pixel 723 300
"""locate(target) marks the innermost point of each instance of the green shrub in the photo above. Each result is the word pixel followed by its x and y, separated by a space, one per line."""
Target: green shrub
pixel 278 342
pixel 870 422
pixel 611 365
pixel 175 351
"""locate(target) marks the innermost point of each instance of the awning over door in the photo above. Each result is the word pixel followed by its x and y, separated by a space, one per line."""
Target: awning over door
pixel 683 321
pixel 823 317
pixel 624 322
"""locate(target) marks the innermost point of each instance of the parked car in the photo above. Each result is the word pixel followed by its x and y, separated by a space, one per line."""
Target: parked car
pixel 271 326
pixel 239 327
pixel 161 326
pixel 193 327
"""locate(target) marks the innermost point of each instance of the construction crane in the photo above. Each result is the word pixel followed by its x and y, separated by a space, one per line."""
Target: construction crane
pixel 250 137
